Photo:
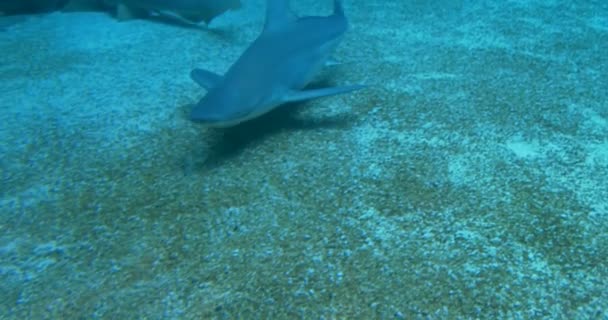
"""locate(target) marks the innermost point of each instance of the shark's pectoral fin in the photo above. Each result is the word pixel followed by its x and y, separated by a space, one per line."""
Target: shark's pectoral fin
pixel 206 79
pixel 317 93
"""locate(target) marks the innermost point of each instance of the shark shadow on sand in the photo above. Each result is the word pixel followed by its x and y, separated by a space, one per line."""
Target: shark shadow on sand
pixel 224 144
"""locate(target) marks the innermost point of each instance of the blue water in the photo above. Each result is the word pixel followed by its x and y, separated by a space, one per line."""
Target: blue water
pixel 467 181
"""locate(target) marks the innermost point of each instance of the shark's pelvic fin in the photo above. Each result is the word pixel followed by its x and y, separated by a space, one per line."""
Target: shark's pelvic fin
pixel 206 79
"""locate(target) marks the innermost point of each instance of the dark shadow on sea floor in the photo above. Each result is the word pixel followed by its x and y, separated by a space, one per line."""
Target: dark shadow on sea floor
pixel 227 143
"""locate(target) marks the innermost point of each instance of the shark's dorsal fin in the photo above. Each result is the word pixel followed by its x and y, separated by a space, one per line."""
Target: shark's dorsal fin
pixel 278 14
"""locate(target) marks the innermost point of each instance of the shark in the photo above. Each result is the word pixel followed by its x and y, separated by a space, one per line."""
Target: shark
pixel 187 11
pixel 274 69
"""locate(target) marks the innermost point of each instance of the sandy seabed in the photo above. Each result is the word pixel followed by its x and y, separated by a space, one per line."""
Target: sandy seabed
pixel 468 180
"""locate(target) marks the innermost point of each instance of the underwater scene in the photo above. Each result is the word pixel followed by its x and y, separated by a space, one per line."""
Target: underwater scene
pixel 303 159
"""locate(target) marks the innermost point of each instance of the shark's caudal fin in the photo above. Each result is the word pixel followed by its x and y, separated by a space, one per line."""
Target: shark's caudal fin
pixel 206 79
pixel 278 14
pixel 317 93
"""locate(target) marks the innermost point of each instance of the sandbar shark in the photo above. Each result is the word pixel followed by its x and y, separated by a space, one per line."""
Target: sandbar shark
pixel 188 11
pixel 274 69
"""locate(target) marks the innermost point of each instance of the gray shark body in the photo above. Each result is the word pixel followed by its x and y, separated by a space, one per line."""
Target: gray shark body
pixel 189 11
pixel 274 69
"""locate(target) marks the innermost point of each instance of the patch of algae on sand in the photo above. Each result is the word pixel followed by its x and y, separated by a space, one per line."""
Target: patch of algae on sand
pixel 140 233
pixel 139 239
